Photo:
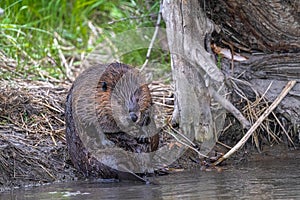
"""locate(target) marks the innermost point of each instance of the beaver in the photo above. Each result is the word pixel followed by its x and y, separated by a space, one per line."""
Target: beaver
pixel 113 106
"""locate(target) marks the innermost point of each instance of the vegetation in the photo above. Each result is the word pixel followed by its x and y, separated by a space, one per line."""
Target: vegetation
pixel 37 38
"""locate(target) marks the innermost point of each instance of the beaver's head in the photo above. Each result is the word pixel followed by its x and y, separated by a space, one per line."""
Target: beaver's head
pixel 122 97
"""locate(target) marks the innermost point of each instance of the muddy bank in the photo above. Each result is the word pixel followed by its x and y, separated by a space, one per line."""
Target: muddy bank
pixel 32 142
pixel 32 136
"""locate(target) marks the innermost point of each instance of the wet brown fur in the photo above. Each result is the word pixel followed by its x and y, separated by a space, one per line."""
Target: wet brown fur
pixel 111 76
pixel 78 107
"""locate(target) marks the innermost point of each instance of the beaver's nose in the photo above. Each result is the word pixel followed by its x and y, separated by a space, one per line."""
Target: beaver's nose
pixel 133 116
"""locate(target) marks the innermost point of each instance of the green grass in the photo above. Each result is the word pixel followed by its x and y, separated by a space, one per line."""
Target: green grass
pixel 29 28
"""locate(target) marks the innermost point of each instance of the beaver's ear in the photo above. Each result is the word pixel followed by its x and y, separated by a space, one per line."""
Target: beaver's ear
pixel 104 86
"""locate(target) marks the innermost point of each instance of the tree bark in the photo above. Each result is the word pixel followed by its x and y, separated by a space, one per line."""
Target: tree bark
pixel 193 69
pixel 271 25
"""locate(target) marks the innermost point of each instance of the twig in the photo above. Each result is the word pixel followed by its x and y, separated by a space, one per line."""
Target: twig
pixel 281 96
pixel 161 104
pixel 48 106
pixel 230 108
pixel 49 124
pixel 129 18
pixel 189 146
pixel 47 171
pixel 153 38
pixel 286 133
pixel 224 145
pixel 182 135
pixel 183 143
pixel 17 126
pixel 62 57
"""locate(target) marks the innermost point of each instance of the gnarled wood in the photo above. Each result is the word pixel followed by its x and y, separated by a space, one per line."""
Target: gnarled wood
pixel 187 28
pixel 272 25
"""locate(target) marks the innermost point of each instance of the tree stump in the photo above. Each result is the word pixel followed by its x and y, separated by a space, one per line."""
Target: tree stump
pixel 263 41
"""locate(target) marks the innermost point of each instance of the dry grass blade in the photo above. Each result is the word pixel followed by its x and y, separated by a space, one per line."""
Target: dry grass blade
pixel 63 59
pixel 153 37
pixel 285 132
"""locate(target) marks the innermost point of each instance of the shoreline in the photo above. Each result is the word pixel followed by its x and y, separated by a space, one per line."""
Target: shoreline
pixel 33 150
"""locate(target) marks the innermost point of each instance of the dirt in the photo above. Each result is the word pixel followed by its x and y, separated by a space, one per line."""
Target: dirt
pixel 32 142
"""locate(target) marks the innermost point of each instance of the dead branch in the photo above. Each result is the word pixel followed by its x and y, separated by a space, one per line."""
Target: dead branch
pixel 230 108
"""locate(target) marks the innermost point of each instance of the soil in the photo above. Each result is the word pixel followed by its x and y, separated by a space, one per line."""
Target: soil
pixel 32 142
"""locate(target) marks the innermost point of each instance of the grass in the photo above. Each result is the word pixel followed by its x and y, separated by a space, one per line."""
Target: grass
pixel 36 36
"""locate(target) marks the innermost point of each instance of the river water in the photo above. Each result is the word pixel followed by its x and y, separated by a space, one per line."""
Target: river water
pixel 276 179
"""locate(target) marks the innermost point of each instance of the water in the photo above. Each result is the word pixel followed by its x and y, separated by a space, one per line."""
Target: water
pixel 279 179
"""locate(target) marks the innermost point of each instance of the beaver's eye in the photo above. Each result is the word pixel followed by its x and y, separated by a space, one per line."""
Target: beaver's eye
pixel 133 116
pixel 104 86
